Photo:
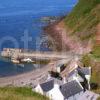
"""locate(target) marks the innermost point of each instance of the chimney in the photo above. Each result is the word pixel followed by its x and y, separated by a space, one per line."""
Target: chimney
pixel 64 80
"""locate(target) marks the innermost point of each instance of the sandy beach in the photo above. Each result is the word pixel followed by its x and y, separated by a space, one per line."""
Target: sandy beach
pixel 28 78
pixel 63 41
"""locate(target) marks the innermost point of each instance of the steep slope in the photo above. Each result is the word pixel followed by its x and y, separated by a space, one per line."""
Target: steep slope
pixel 84 23
pixel 76 31
pixel 84 18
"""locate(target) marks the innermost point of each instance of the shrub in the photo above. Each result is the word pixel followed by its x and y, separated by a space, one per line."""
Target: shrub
pixel 86 60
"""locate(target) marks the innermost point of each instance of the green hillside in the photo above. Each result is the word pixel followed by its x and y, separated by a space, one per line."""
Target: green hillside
pixel 14 93
pixel 82 22
pixel 84 18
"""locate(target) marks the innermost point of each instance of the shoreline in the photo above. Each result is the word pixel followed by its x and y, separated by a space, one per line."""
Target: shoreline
pixel 63 42
pixel 32 77
pixel 27 77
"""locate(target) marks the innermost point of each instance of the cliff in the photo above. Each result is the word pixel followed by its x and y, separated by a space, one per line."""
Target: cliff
pixel 79 31
pixel 84 19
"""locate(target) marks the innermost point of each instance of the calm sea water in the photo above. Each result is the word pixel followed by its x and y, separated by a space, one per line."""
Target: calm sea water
pixel 20 16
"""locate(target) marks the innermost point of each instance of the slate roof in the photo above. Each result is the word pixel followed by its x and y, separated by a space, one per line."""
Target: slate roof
pixel 85 70
pixel 47 86
pixel 70 89
pixel 72 73
pixel 57 81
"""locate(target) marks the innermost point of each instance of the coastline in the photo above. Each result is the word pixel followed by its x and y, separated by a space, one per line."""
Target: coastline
pixel 29 77
pixel 57 31
pixel 32 77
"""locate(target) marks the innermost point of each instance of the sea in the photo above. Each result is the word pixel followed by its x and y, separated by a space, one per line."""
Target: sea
pixel 21 26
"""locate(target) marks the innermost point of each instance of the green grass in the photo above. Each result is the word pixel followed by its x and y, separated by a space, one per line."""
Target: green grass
pixel 88 60
pixel 22 93
pixel 96 52
pixel 84 18
pixel 95 78
pixel 98 98
pixel 82 22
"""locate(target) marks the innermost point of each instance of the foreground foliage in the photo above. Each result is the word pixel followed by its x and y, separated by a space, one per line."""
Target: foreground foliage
pixel 96 52
pixel 14 93
pixel 99 98
pixel 88 60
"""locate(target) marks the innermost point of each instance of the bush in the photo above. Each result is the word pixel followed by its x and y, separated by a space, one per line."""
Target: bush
pixel 98 98
pixel 86 60
pixel 94 86
pixel 96 51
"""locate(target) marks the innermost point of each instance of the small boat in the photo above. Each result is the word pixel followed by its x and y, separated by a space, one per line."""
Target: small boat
pixel 27 60
pixel 15 61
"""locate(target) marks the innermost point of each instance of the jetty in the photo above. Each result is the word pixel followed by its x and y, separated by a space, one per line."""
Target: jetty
pixel 21 54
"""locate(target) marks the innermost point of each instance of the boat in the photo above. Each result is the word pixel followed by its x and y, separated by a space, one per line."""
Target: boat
pixel 27 60
pixel 15 61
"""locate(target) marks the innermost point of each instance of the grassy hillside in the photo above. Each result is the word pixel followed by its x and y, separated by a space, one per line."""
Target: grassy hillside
pixel 84 18
pixel 82 22
pixel 12 93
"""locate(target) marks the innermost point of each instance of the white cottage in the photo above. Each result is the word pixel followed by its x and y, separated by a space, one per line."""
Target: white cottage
pixel 82 75
pixel 70 88
pixel 45 87
pixel 68 91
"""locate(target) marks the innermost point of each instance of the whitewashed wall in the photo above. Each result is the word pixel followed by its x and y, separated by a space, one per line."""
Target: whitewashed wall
pixel 38 89
pixel 55 93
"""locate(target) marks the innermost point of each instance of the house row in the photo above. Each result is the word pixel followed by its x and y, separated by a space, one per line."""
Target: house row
pixel 68 91
pixel 70 87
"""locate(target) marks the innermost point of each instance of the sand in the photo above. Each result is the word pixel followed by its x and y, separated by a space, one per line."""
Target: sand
pixel 32 77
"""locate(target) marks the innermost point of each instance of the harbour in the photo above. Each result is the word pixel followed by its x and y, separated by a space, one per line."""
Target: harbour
pixel 21 55
pixel 17 19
